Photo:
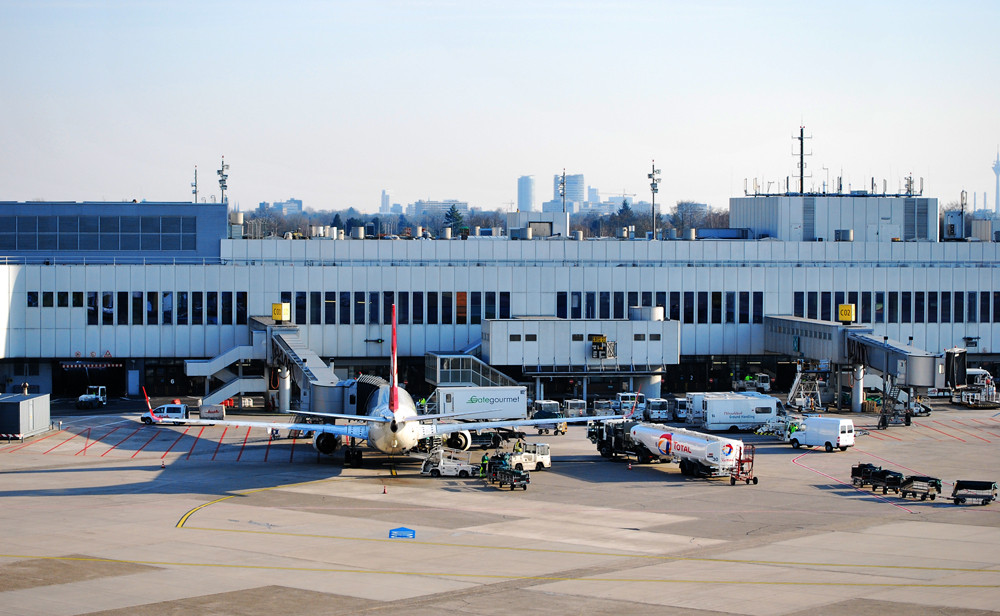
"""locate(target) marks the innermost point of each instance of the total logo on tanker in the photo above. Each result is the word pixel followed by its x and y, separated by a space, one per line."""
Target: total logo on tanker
pixel 665 444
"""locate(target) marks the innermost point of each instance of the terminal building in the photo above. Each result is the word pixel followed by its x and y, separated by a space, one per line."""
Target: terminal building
pixel 157 295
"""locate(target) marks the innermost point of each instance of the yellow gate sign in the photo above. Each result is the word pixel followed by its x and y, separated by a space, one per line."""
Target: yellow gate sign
pixel 281 312
pixel 845 312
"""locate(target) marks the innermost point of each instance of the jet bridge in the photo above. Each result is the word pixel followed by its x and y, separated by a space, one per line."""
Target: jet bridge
pixel 856 348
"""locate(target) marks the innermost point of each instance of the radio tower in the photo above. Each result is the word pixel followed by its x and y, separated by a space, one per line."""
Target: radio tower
pixel 996 170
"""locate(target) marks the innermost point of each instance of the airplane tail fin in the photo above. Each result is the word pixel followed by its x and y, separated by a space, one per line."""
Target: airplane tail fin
pixel 148 405
pixel 393 368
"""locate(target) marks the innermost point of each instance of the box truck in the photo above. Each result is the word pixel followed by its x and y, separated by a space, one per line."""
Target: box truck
pixel 733 411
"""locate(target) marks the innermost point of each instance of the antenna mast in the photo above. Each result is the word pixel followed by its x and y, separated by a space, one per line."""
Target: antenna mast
pixel 802 161
pixel 654 181
pixel 223 176
pixel 562 189
pixel 194 185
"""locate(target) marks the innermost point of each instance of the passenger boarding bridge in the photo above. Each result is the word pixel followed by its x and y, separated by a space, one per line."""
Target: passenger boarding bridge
pixel 855 349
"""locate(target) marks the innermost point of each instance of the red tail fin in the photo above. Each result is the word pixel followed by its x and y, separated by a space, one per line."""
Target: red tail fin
pixel 148 405
pixel 393 368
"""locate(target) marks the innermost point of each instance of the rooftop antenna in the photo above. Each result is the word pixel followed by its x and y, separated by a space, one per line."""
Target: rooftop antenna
pixel 562 189
pixel 223 176
pixel 802 154
pixel 654 182
pixel 194 184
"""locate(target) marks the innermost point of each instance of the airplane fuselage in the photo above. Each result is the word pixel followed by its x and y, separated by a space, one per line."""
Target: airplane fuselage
pixel 401 433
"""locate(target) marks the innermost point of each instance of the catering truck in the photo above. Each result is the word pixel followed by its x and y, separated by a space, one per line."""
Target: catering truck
pixel 483 403
pixel 738 411
pixel 699 455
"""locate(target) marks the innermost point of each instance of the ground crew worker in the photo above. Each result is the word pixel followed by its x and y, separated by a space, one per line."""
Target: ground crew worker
pixel 518 447
pixel 482 465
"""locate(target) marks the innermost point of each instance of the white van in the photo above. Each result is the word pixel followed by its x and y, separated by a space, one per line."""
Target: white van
pixel 175 413
pixel 574 408
pixel 826 432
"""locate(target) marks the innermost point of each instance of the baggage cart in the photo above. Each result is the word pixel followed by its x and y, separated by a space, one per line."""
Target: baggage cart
pixel 967 490
pixel 743 470
pixel 925 487
pixel 513 478
pixel 861 474
pixel 887 480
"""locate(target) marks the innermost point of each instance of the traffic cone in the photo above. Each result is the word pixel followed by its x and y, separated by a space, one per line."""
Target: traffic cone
pixel 629 466
pixel 161 464
pixel 383 490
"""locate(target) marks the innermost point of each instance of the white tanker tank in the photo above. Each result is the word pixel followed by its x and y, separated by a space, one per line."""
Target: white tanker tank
pixel 697 453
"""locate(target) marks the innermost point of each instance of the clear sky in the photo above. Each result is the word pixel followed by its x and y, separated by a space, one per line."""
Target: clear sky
pixel 331 102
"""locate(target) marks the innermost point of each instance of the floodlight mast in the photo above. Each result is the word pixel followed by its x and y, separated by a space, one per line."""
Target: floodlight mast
pixel 562 189
pixel 194 185
pixel 654 187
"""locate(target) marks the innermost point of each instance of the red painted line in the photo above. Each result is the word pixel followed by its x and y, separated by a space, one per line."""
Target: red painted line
pixel 23 445
pixel 196 439
pixel 220 442
pixel 944 433
pixel 291 454
pixel 969 433
pixel 968 426
pixel 62 443
pixel 121 441
pixel 267 449
pixel 244 445
pixel 96 441
pixel 86 441
pixel 963 432
pixel 931 436
pixel 146 443
pixel 796 462
pixel 886 434
pixel 175 442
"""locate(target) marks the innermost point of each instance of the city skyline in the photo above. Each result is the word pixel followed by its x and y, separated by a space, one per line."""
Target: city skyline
pixel 333 102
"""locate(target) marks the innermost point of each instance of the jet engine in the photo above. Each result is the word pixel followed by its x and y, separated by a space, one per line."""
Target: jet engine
pixel 326 443
pixel 459 440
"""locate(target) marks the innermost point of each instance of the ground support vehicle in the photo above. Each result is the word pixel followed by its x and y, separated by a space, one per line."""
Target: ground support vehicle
pixel 918 484
pixel 496 462
pixel 549 409
pixel 96 396
pixel 743 470
pixel 738 411
pixel 483 403
pixel 601 407
pixel 613 439
pixel 532 456
pixel 657 410
pixel 630 403
pixel 861 474
pixel 968 490
pixel 816 431
pixel 449 463
pixel 753 382
pixel 574 408
pixel 513 478
pixel 887 480
pixel 176 413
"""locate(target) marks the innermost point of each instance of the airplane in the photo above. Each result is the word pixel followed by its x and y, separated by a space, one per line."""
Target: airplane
pixel 391 424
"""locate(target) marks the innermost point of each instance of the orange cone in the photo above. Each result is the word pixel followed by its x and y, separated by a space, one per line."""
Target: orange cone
pixel 161 464
pixel 383 490
pixel 629 466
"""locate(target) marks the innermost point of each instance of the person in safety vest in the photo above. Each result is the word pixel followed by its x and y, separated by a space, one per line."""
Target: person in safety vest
pixel 482 465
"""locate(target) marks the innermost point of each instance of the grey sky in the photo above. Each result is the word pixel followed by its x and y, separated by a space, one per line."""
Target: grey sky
pixel 331 102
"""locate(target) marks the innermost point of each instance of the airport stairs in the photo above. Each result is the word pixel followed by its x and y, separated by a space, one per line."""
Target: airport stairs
pixel 453 370
pixel 209 367
pixel 235 387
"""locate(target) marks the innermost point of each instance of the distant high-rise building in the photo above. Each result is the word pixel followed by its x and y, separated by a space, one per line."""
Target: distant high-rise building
pixel 290 206
pixel 593 195
pixel 996 170
pixel 526 193
pixel 385 204
pixel 576 190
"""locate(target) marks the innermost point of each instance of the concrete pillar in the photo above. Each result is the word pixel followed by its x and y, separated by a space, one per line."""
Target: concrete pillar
pixel 649 385
pixel 539 389
pixel 585 379
pixel 284 389
pixel 858 390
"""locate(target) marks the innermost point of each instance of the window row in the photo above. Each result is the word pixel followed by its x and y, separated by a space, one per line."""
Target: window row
pixel 696 307
pixel 902 306
pixel 150 307
pixel 416 308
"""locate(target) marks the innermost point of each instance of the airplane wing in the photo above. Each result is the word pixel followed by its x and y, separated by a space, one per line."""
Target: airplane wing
pixel 357 431
pixel 434 429
pixel 367 418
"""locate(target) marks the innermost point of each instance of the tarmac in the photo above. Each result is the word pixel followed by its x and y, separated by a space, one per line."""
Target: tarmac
pixel 104 515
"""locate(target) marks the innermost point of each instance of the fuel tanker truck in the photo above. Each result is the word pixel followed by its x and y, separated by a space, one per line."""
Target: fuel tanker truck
pixel 699 455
